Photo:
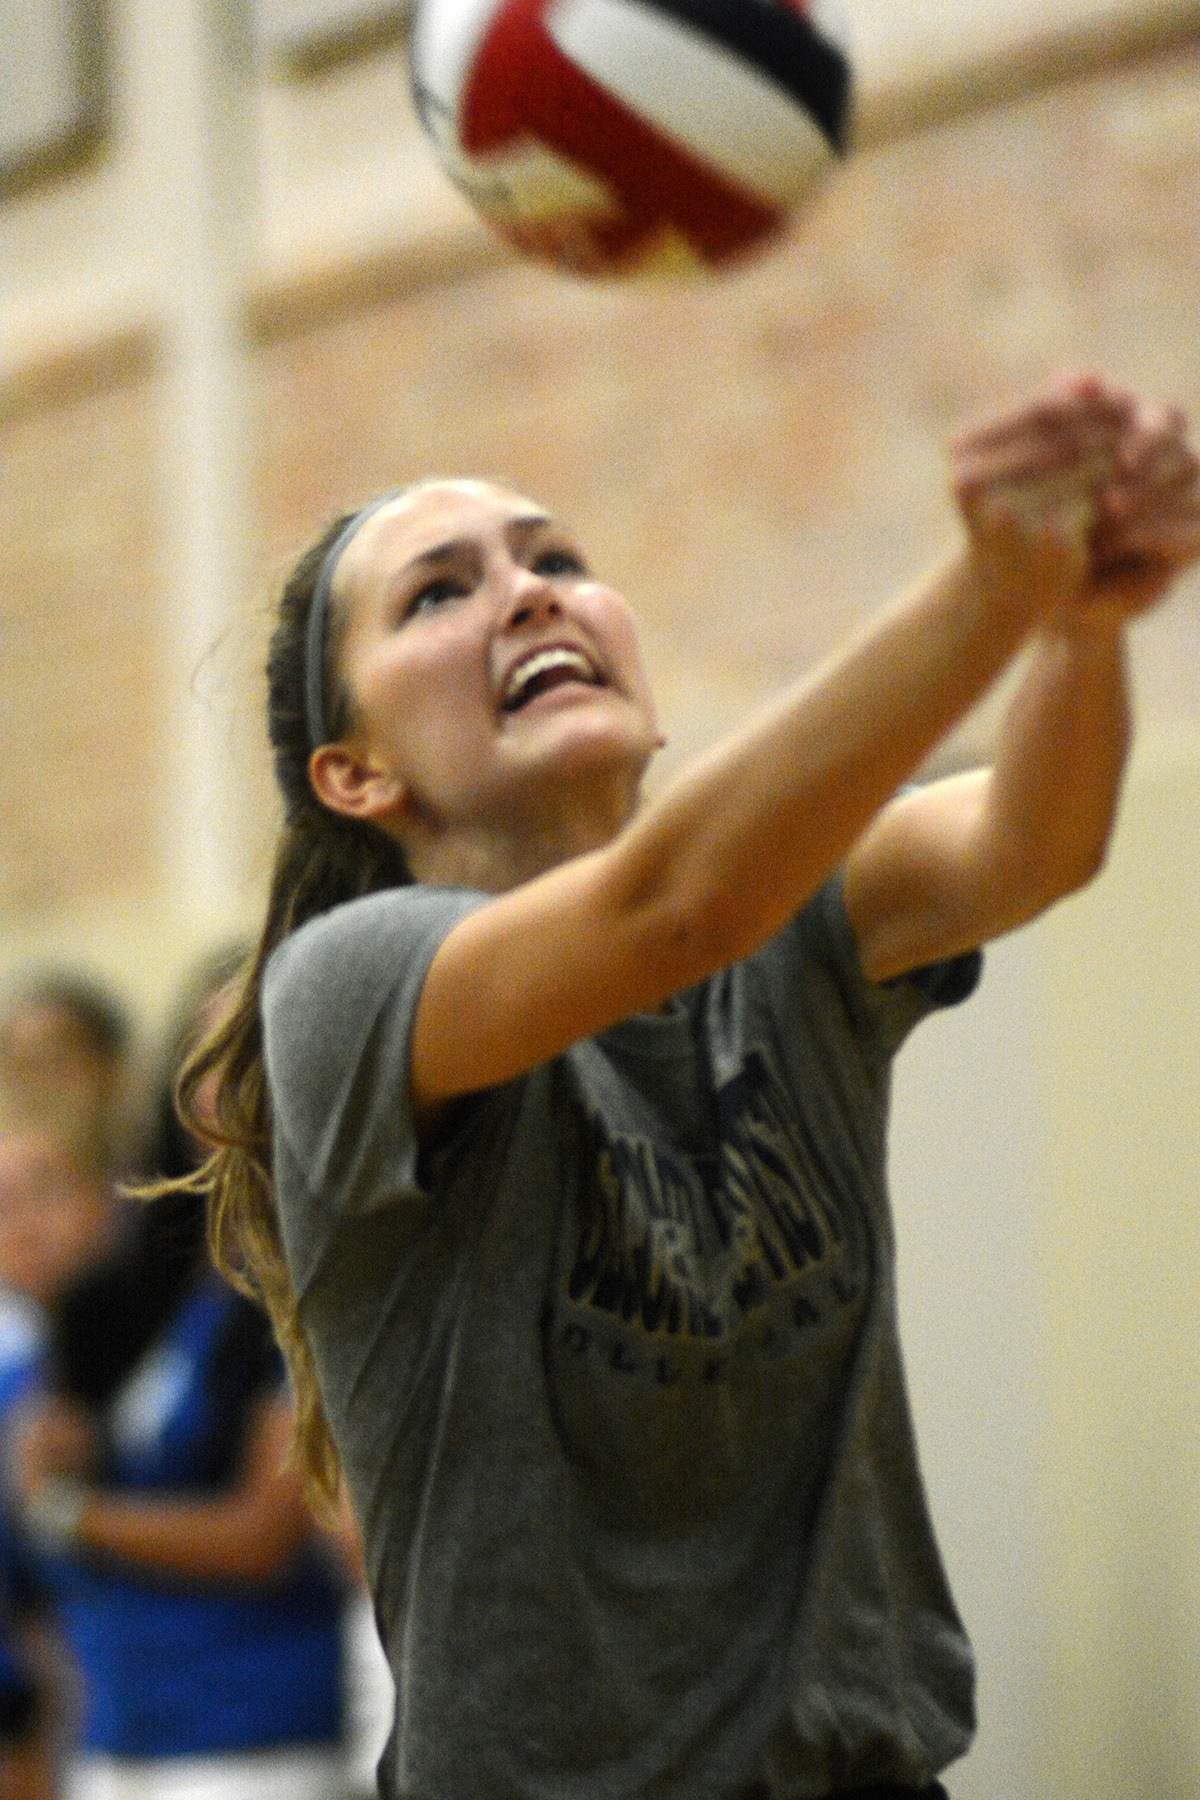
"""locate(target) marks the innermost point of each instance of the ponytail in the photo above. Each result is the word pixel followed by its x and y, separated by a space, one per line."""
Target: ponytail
pixel 321 860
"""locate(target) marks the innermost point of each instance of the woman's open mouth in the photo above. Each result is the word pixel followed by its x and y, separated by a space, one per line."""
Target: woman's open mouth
pixel 545 670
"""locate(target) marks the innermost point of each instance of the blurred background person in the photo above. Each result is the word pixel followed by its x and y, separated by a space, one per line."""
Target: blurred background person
pixel 65 1045
pixel 200 1605
pixel 55 1219
pixel 25 1763
pixel 108 1318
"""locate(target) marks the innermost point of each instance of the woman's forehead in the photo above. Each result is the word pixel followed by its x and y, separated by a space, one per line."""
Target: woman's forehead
pixel 425 517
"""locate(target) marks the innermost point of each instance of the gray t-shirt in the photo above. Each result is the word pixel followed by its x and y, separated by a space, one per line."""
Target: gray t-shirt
pixel 614 1374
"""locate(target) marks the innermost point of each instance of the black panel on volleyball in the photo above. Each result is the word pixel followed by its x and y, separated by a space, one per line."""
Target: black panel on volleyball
pixel 784 46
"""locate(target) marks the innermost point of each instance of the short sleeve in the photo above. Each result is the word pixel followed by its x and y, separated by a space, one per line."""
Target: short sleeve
pixel 338 1004
pixel 890 1008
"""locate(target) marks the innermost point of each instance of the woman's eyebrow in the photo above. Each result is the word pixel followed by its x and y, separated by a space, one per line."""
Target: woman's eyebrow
pixel 438 553
pixel 516 531
pixel 527 525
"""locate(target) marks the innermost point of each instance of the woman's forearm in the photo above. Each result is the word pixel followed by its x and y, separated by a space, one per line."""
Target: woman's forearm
pixel 743 838
pixel 246 1532
pixel 963 860
pixel 228 1539
pixel 1056 776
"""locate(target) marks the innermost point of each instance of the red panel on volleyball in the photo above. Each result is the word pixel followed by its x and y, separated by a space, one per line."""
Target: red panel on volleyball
pixel 522 87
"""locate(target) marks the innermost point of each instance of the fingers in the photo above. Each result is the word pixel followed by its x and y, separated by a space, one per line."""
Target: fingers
pixel 1170 542
pixel 1151 510
pixel 1153 431
pixel 1084 454
pixel 1155 467
pixel 1068 401
pixel 1134 566
pixel 1034 461
pixel 1081 423
pixel 1084 496
pixel 1067 438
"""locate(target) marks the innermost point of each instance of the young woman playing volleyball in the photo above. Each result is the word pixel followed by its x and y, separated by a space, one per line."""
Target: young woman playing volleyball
pixel 553 1122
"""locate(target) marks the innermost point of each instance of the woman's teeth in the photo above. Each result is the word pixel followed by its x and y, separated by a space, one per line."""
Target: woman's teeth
pixel 544 670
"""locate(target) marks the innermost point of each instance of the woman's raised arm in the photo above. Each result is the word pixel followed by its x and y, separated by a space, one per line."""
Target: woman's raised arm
pixel 719 861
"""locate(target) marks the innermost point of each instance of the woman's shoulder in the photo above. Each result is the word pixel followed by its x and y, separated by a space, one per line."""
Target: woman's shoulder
pixel 351 942
pixel 331 983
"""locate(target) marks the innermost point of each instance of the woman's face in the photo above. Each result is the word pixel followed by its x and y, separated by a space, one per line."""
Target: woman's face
pixel 53 1078
pixel 497 690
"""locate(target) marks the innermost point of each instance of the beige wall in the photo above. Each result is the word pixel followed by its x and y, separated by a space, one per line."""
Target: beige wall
pixel 84 622
pixel 1045 1168
pixel 1119 1064
pixel 758 463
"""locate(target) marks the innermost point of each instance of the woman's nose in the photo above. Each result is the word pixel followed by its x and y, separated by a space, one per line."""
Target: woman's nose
pixel 530 597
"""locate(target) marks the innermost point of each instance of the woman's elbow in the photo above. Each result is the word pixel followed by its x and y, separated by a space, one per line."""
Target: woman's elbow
pixel 1068 871
pixel 700 928
pixel 684 919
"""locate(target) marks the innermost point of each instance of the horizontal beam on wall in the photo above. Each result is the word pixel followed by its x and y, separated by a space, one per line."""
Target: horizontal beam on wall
pixel 297 300
pixel 891 106
pixel 937 92
pixel 67 372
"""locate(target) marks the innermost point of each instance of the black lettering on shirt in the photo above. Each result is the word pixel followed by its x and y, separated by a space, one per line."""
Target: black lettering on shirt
pixel 688 1248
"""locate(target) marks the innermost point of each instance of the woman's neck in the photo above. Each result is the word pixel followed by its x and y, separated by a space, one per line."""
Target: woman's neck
pixel 496 856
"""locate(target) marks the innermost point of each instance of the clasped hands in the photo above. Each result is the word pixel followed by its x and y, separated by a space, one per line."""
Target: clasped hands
pixel 1084 497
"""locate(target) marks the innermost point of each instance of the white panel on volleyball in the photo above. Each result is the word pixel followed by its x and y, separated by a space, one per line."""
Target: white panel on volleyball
pixel 445 39
pixel 828 17
pixel 727 114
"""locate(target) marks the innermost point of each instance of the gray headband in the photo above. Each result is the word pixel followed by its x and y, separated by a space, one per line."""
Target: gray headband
pixel 318 620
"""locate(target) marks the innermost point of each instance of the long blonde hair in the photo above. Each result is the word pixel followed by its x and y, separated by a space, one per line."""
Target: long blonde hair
pixel 321 860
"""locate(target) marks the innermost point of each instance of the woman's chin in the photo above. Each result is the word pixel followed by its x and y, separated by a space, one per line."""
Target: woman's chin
pixel 603 734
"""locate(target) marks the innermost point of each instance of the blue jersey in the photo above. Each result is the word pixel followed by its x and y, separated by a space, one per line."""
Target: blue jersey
pixel 173 1667
pixel 22 1354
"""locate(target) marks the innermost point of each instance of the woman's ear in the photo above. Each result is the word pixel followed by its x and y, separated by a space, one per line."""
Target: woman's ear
pixel 350 782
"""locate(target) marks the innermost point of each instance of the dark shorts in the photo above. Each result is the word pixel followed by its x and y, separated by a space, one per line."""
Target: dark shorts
pixel 20 1714
pixel 759 1790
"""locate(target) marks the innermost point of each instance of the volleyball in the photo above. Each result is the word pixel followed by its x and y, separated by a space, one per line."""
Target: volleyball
pixel 614 137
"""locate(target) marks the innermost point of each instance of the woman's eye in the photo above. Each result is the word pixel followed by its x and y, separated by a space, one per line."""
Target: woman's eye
pixel 559 562
pixel 433 594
